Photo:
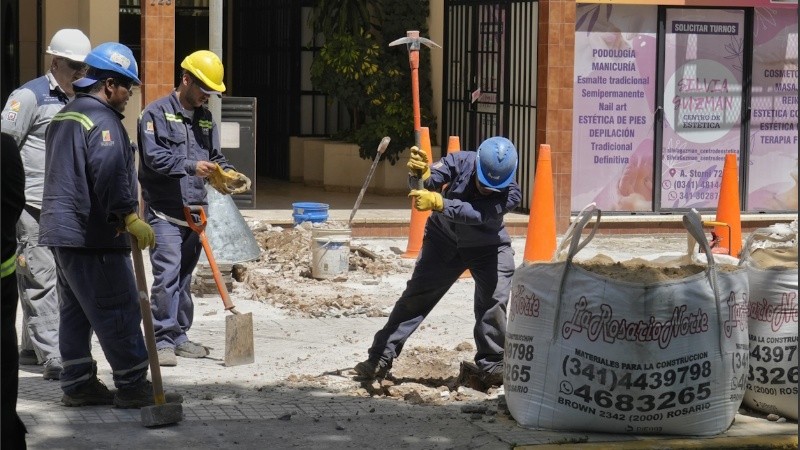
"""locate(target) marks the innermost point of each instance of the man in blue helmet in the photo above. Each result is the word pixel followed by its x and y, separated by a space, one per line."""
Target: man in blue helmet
pixel 89 202
pixel 469 193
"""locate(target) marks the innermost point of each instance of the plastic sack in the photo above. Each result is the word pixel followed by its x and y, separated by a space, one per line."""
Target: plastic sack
pixel 589 353
pixel 772 311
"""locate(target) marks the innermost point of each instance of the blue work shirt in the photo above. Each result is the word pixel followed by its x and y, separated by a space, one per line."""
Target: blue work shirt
pixel 469 218
pixel 90 179
pixel 170 145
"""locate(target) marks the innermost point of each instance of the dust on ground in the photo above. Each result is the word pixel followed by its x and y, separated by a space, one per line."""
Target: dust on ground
pixel 282 277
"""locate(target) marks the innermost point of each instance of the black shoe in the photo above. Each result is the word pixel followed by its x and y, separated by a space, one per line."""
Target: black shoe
pixel 373 368
pixel 52 369
pixel 28 358
pixel 493 379
pixel 92 392
pixel 141 396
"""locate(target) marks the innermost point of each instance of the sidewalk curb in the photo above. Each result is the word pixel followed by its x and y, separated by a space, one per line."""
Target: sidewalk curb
pixel 765 442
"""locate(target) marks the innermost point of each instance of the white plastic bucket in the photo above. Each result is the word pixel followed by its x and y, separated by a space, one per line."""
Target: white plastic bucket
pixel 330 252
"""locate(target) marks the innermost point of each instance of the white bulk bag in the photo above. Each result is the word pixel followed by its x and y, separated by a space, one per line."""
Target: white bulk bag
pixel 589 353
pixel 772 311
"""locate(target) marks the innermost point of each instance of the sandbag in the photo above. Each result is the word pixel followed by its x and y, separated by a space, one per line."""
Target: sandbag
pixel 770 256
pixel 585 352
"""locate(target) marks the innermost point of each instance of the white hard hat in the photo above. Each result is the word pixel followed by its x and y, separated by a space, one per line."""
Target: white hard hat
pixel 70 43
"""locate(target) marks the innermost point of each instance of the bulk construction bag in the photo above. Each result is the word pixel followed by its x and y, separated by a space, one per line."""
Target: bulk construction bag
pixel 587 352
pixel 770 256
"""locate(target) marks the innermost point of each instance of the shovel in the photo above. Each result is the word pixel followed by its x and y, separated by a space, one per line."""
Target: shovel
pixel 238 327
pixel 381 148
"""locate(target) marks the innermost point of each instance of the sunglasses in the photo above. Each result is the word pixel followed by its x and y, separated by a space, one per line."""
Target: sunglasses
pixel 123 83
pixel 76 65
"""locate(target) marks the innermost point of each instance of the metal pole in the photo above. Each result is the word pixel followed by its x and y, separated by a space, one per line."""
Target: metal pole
pixel 215 45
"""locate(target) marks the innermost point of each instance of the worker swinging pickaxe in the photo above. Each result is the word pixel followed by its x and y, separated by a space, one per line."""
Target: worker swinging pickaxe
pixel 413 41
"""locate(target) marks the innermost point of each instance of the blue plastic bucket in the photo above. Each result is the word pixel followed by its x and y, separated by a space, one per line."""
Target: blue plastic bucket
pixel 309 212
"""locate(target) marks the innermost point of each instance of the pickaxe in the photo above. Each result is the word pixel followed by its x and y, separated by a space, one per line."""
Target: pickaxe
pixel 413 41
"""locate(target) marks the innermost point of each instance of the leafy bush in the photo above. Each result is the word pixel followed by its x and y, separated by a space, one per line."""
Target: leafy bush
pixel 371 79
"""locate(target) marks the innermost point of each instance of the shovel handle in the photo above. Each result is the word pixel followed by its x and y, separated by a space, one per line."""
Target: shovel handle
pixel 147 319
pixel 199 228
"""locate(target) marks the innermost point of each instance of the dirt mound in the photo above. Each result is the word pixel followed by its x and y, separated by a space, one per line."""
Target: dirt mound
pixel 282 276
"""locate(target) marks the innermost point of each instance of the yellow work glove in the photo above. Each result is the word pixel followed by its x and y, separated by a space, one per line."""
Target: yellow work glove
pixel 218 180
pixel 229 181
pixel 140 230
pixel 237 182
pixel 418 164
pixel 427 200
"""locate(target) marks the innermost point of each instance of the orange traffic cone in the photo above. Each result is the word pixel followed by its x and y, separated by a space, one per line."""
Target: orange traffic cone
pixel 418 218
pixel 540 242
pixel 453 144
pixel 728 208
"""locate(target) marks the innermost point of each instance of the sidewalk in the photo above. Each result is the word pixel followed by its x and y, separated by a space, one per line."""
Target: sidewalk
pixel 298 394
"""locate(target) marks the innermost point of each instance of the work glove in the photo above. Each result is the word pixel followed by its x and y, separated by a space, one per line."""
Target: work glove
pixel 140 230
pixel 425 200
pixel 229 181
pixel 237 182
pixel 418 164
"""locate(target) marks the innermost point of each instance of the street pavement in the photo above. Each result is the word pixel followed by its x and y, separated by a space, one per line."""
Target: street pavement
pixel 298 395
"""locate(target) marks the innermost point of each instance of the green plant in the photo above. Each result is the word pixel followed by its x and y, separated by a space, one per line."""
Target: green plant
pixel 347 69
pixel 372 80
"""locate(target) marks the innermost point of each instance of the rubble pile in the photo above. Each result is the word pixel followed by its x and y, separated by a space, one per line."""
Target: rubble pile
pixel 282 276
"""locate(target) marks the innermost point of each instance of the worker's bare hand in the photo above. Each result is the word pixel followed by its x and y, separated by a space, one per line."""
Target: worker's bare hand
pixel 204 168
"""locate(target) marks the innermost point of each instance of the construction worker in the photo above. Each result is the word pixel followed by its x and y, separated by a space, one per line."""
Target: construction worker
pixel 13 199
pixel 465 231
pixel 26 116
pixel 90 201
pixel 179 145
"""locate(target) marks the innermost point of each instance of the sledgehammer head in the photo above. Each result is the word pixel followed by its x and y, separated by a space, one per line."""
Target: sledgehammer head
pixel 159 415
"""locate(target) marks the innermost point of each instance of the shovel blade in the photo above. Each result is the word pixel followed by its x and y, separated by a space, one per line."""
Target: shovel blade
pixel 239 339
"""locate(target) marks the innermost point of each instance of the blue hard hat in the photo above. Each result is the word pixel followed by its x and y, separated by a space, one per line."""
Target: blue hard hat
pixel 497 163
pixel 109 57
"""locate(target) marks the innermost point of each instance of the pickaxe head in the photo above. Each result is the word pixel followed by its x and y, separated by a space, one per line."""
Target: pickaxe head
pixel 413 41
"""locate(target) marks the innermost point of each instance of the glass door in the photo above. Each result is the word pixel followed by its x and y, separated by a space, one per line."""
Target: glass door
pixel 704 58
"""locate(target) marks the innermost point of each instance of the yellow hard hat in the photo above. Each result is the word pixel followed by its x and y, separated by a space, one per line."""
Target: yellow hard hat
pixel 207 67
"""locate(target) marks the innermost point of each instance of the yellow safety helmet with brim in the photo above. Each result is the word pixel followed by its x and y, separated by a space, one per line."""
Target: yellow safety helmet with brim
pixel 207 68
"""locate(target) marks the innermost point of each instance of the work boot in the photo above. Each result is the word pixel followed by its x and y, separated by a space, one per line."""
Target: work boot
pixel 373 368
pixel 191 349
pixel 166 357
pixel 28 358
pixel 494 378
pixel 92 392
pixel 52 369
pixel 141 396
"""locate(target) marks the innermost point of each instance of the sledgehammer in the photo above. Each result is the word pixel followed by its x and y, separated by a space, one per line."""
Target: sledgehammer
pixel 162 413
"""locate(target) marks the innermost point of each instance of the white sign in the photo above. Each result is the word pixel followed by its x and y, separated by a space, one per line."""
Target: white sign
pixel 229 135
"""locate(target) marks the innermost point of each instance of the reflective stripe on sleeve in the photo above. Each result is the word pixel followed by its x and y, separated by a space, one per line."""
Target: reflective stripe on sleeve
pixel 8 266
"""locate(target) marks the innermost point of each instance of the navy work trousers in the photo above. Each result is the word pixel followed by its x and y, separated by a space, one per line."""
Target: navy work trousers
pixel 439 266
pixel 173 259
pixel 98 293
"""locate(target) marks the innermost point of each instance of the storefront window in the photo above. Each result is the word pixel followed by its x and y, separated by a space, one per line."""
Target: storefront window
pixel 655 140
